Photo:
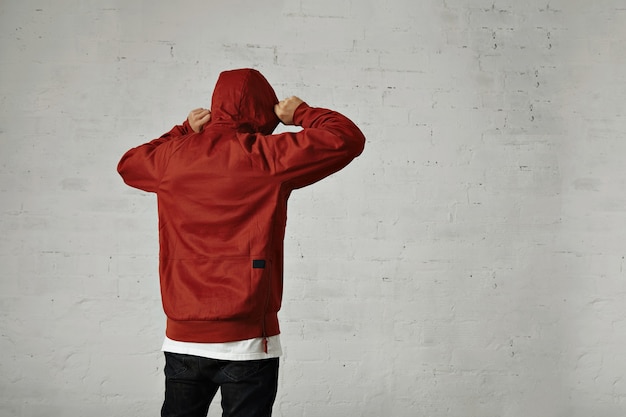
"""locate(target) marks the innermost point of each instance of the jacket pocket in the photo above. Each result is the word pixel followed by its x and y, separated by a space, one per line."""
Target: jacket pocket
pixel 220 288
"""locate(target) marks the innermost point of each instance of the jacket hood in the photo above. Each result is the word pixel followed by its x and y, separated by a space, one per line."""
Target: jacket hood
pixel 245 99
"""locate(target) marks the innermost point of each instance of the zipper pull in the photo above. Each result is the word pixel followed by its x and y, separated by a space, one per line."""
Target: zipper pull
pixel 265 344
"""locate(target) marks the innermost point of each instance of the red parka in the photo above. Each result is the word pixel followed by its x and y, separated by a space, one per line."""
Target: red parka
pixel 222 201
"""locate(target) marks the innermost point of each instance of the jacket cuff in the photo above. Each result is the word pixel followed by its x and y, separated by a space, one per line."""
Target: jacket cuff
pixel 187 126
pixel 298 114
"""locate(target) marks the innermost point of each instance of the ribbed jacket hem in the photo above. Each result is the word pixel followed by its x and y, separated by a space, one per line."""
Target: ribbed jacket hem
pixel 221 331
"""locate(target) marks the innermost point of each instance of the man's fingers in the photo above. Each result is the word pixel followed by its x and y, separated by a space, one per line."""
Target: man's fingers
pixel 199 111
pixel 200 115
pixel 286 108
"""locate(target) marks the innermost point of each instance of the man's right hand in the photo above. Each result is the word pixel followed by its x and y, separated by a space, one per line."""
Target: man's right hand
pixel 286 108
pixel 198 118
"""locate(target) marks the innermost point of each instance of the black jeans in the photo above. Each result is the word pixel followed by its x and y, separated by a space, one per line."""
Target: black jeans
pixel 248 388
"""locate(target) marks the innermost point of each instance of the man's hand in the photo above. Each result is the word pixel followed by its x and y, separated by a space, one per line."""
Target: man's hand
pixel 198 118
pixel 285 109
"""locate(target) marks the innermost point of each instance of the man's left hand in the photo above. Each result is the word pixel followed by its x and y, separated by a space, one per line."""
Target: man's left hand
pixel 198 118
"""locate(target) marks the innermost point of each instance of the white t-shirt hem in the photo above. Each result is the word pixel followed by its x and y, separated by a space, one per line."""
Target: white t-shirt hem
pixel 244 350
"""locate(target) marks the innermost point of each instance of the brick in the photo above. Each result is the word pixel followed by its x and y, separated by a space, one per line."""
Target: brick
pixel 469 263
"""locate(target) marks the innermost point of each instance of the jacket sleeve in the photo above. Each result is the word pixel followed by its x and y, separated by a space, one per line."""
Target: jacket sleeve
pixel 328 142
pixel 142 167
pixel 179 130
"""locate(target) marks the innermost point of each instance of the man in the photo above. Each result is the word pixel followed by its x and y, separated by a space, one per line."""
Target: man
pixel 222 181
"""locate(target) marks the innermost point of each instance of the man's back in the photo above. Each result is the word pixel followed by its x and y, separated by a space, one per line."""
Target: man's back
pixel 222 188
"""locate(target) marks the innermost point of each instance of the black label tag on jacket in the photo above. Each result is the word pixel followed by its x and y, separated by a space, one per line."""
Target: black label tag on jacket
pixel 258 263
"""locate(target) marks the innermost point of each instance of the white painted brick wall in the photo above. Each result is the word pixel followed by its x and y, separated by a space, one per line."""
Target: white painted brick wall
pixel 469 264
